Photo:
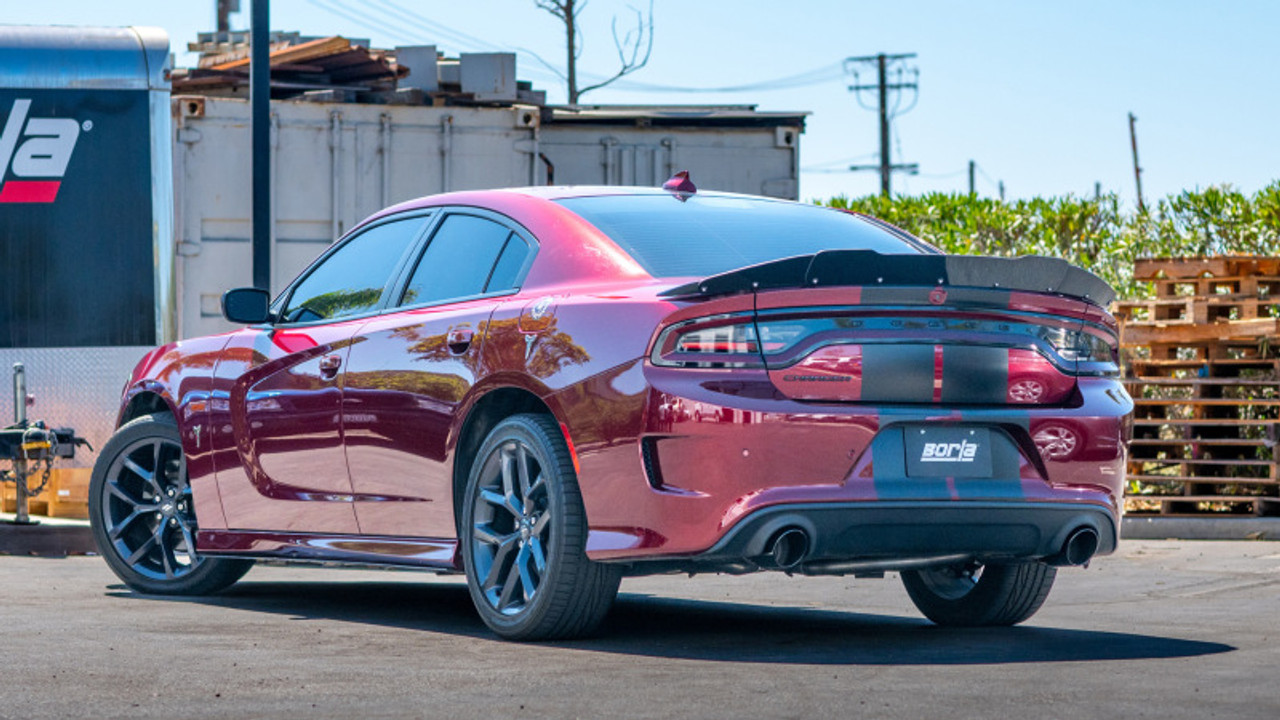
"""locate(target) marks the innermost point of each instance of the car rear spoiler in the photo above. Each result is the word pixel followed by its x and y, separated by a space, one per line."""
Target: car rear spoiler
pixel 829 268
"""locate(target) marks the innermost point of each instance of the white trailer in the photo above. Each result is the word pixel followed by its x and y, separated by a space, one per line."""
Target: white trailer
pixel 86 211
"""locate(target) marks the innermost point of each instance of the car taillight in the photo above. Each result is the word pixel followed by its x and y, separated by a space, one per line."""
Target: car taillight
pixel 1093 353
pixel 730 339
pixel 722 341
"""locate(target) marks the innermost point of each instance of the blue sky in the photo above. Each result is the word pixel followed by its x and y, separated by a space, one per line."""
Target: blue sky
pixel 1036 92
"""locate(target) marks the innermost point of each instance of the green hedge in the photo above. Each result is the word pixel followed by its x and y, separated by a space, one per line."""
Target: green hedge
pixel 1094 233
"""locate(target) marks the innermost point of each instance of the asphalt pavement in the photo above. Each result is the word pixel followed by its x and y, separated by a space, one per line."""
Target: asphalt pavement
pixel 1163 629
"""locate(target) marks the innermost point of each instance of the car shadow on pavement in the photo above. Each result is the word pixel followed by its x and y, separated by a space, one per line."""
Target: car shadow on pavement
pixel 699 630
pixel 685 629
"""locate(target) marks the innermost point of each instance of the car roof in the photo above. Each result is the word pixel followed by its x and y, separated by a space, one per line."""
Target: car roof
pixel 562 192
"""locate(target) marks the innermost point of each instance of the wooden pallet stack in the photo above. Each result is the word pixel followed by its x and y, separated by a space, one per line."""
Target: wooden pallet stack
pixel 66 495
pixel 1201 364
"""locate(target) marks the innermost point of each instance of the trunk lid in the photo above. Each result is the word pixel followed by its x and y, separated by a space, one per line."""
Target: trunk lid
pixel 857 326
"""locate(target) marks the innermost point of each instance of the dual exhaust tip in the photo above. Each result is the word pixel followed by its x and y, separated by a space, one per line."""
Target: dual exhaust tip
pixel 1079 548
pixel 789 547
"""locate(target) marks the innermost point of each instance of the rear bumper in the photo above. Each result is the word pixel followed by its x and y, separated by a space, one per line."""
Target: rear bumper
pixel 892 535
pixel 715 448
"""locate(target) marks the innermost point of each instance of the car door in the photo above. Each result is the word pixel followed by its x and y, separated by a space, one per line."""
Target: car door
pixel 410 370
pixel 281 387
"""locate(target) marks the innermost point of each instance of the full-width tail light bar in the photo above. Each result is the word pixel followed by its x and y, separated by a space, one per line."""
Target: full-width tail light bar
pixel 739 341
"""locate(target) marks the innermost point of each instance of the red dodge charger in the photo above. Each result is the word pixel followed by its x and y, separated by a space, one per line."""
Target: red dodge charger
pixel 549 389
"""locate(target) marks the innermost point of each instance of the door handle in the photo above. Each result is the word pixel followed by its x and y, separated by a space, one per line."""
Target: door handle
pixel 329 365
pixel 459 339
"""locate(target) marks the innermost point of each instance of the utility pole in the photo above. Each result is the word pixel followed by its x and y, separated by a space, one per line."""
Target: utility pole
pixel 885 161
pixel 883 64
pixel 973 188
pixel 224 10
pixel 1137 170
pixel 1001 191
pixel 260 129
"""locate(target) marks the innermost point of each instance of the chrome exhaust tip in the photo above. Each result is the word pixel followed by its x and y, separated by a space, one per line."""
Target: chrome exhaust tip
pixel 788 548
pixel 1079 548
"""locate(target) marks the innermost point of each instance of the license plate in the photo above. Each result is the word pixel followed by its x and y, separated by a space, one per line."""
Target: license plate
pixel 947 451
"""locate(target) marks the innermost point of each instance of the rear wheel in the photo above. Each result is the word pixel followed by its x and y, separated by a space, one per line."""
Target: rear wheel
pixel 523 536
pixel 972 594
pixel 143 518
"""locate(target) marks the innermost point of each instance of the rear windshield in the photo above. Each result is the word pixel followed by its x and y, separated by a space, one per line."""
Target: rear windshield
pixel 706 235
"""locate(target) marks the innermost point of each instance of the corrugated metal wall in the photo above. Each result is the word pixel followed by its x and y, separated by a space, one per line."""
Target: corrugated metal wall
pixel 336 163
pixel 752 160
pixel 332 166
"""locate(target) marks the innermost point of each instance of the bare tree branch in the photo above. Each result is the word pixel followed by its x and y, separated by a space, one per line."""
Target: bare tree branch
pixel 553 7
pixel 634 48
pixel 628 48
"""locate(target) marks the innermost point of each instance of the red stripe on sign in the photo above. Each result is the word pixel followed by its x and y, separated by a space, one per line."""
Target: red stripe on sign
pixel 937 373
pixel 29 191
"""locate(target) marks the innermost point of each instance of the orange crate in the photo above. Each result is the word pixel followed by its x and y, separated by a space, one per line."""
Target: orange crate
pixel 68 493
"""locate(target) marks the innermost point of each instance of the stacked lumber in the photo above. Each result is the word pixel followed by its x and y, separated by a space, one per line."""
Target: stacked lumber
pixel 298 66
pixel 1200 365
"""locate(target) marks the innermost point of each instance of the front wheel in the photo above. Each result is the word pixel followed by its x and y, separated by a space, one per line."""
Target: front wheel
pixel 143 519
pixel 972 594
pixel 523 535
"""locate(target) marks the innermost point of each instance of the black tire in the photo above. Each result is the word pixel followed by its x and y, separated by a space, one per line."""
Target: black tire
pixel 512 518
pixel 144 521
pixel 973 595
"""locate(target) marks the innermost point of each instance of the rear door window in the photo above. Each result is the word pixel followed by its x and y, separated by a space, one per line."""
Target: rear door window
pixel 506 273
pixel 467 256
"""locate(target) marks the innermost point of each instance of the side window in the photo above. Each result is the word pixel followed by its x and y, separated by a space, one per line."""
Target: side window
pixel 459 260
pixel 351 279
pixel 509 264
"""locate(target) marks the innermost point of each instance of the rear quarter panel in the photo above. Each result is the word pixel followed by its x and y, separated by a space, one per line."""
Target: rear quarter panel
pixel 585 360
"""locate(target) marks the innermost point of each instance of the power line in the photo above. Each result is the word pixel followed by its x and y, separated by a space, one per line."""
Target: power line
pixel 816 76
pixel 397 13
pixel 840 162
pixel 459 41
pixel 392 18
pixel 367 23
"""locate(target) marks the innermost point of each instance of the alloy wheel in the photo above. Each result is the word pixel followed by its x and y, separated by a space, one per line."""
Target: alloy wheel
pixel 148 515
pixel 511 527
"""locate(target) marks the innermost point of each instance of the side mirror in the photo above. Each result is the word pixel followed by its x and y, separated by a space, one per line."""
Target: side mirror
pixel 248 306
